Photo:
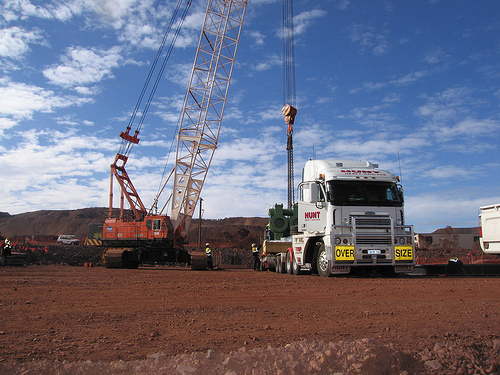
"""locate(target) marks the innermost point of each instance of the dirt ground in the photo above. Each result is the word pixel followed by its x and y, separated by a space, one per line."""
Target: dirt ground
pixel 56 315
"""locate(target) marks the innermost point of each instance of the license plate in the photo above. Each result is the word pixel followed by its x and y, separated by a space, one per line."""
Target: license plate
pixel 374 252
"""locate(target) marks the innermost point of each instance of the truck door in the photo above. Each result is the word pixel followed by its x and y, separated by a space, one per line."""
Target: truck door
pixel 312 207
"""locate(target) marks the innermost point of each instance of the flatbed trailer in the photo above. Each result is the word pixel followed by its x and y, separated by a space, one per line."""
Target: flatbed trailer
pixel 273 254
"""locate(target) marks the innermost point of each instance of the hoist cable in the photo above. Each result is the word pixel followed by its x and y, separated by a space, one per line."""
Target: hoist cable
pixel 126 146
pixel 289 96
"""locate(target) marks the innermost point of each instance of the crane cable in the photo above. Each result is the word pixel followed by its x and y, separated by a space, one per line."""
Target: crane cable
pixel 126 146
pixel 289 95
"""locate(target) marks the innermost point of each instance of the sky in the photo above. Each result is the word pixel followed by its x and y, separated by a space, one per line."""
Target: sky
pixel 411 85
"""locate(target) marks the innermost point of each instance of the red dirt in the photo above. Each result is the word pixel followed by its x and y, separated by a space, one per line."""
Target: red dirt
pixel 97 314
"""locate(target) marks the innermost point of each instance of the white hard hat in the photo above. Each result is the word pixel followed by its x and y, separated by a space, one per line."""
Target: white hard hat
pixel 253 244
pixel 207 244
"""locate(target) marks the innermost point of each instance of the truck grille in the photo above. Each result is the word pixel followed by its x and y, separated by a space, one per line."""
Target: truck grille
pixel 372 230
pixel 373 222
pixel 373 240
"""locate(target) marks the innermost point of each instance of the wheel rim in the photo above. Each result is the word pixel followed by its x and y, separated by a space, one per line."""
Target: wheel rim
pixel 322 261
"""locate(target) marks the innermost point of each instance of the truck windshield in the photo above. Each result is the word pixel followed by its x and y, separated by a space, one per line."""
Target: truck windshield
pixel 364 193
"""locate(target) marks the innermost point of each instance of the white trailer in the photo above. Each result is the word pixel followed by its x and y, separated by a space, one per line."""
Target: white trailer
pixel 489 228
pixel 350 218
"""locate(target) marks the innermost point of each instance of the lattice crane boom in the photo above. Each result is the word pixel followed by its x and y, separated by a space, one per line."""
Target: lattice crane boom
pixel 204 105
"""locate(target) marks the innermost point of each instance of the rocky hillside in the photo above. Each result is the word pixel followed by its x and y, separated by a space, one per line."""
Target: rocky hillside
pixel 52 223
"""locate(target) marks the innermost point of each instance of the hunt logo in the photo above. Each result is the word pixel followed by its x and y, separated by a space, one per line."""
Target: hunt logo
pixel 311 216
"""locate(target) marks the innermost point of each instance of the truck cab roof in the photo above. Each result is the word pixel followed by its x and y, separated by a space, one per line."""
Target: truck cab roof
pixel 345 170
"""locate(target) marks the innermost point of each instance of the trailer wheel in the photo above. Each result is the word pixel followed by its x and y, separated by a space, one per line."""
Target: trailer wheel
pixel 288 263
pixel 323 264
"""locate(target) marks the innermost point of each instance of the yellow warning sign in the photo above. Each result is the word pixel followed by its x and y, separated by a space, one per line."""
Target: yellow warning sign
pixel 344 253
pixel 404 253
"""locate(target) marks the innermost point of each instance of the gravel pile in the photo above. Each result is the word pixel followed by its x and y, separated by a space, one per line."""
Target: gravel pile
pixel 453 356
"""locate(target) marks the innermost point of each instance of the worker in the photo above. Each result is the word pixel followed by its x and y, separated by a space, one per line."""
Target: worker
pixel 255 254
pixel 269 233
pixel 6 250
pixel 208 253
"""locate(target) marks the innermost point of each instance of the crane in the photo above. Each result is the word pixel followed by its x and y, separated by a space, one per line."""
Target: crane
pixel 151 236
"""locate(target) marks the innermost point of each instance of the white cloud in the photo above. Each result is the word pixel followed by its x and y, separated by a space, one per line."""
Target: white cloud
pixel 258 37
pixel 64 159
pixel 436 56
pixel 15 9
pixel 180 73
pixel 269 62
pixel 20 100
pixel 6 123
pixel 467 128
pixel 15 41
pixel 303 20
pixel 116 10
pixel 367 37
pixel 343 4
pixel 444 172
pixel 410 78
pixel 82 66
pixel 392 97
pixel 447 105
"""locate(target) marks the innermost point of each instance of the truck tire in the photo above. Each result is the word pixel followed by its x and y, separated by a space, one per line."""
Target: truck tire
pixel 288 263
pixel 279 265
pixel 295 267
pixel 323 265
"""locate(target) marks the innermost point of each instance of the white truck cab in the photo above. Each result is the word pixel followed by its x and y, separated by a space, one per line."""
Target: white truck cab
pixel 350 214
pixel 489 228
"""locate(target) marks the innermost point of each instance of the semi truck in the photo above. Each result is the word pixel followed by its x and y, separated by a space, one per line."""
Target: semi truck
pixel 350 218
pixel 489 228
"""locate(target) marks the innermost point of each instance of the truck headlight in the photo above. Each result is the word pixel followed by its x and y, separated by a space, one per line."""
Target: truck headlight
pixel 402 241
pixel 337 240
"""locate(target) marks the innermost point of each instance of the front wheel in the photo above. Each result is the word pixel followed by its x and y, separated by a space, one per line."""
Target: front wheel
pixel 295 267
pixel 323 265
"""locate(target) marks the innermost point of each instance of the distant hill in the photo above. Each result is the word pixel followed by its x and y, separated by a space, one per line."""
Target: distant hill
pixel 52 223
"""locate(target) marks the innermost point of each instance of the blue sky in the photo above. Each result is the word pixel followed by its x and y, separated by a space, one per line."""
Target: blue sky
pixel 373 79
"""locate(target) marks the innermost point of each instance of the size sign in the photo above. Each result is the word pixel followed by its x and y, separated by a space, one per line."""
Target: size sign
pixel 404 253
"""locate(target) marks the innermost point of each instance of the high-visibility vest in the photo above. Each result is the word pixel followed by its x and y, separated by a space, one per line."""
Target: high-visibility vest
pixel 208 251
pixel 254 250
